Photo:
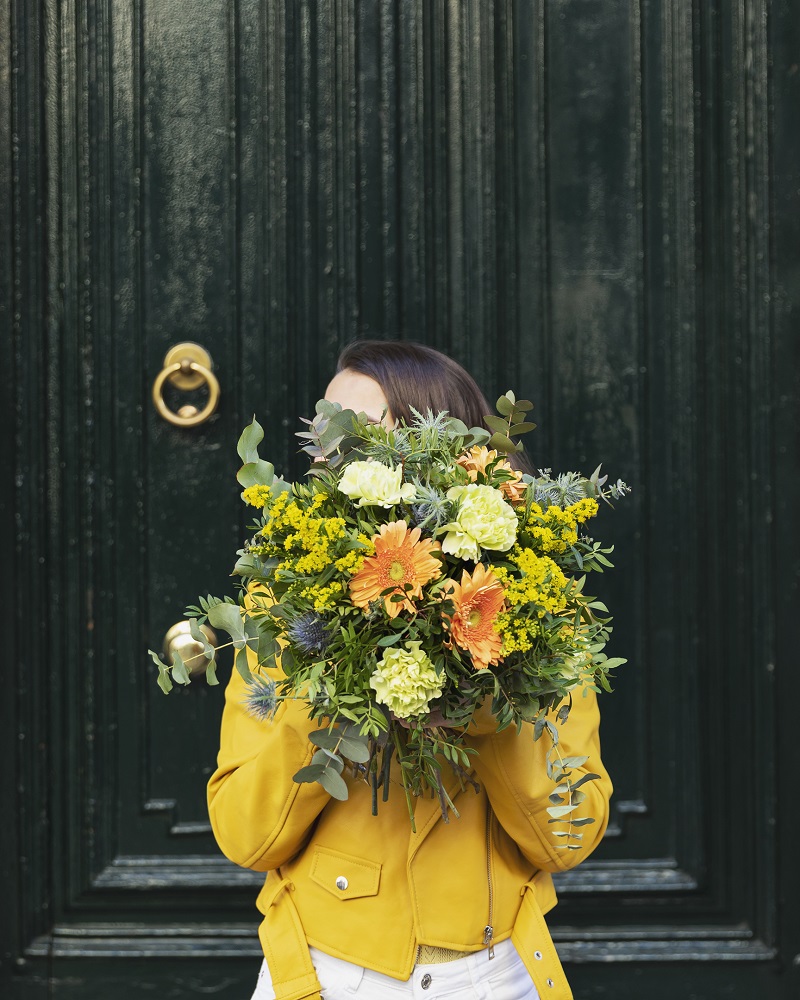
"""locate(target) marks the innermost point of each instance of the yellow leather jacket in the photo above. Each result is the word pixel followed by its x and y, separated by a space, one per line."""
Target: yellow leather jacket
pixel 365 888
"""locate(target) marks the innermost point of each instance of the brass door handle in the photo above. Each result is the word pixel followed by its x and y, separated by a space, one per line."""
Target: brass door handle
pixel 180 640
pixel 186 366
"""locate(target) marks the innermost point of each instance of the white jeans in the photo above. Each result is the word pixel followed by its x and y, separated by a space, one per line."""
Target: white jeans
pixel 477 976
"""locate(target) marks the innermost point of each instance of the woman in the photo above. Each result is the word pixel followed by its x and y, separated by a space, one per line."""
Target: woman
pixel 356 905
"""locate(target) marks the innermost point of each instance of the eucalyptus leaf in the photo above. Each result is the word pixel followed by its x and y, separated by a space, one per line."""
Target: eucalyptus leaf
pixel 558 812
pixel 356 750
pixel 228 617
pixel 333 784
pixel 505 406
pixel 324 738
pixel 179 672
pixel 457 427
pixel 252 633
pixel 327 758
pixel 240 660
pixel 583 779
pixel 521 428
pixel 257 473
pixel 310 773
pixel 497 424
pixel 211 673
pixel 573 761
pixel 250 565
pixel 164 680
pixel 249 440
pixel 500 442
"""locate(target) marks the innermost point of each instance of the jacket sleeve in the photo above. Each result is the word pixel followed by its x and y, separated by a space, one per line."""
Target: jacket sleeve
pixel 512 768
pixel 261 817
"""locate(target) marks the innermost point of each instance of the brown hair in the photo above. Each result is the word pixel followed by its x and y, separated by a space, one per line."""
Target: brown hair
pixel 415 375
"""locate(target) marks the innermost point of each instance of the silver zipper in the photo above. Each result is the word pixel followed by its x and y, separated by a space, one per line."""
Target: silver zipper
pixel 488 930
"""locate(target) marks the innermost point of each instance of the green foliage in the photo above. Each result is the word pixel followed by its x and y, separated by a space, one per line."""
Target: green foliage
pixel 510 424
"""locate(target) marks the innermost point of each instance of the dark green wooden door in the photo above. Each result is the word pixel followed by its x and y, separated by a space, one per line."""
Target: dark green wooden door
pixel 595 203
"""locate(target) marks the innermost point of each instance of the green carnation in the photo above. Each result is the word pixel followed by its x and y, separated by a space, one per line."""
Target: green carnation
pixel 405 681
pixel 484 521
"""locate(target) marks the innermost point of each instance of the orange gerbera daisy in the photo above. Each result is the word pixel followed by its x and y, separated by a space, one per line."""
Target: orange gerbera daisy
pixel 478 457
pixel 479 599
pixel 400 558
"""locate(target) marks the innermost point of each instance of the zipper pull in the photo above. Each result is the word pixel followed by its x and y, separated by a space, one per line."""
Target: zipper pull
pixel 488 934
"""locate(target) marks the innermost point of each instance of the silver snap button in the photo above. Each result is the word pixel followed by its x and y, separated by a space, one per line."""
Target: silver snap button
pixel 550 982
pixel 538 956
pixel 426 981
pixel 341 883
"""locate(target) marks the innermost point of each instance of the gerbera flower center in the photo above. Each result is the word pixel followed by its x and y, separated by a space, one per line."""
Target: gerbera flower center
pixel 397 570
pixel 402 561
pixel 474 618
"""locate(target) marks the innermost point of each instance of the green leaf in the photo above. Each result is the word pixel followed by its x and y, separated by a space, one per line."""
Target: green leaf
pixel 583 822
pixel 505 406
pixel 333 784
pixel 179 671
pixel 356 750
pixel 327 758
pixel 199 636
pixel 390 640
pixel 257 473
pixel 497 424
pixel 583 779
pixel 287 660
pixel 558 812
pixel 566 762
pixel 228 617
pixel 523 405
pixel 523 428
pixel 241 663
pixel 164 681
pixel 312 772
pixel 324 738
pixel 249 440
pixel 211 673
pixel 502 443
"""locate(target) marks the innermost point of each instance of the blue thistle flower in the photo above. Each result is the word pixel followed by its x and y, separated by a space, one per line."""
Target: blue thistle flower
pixel 310 633
pixel 260 699
pixel 563 491
pixel 433 509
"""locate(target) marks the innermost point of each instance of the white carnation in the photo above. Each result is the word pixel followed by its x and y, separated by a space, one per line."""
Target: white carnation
pixel 377 484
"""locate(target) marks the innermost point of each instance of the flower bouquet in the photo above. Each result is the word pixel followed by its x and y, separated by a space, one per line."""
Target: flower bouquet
pixel 414 579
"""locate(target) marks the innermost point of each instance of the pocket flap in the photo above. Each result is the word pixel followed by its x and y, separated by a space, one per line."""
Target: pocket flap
pixel 343 875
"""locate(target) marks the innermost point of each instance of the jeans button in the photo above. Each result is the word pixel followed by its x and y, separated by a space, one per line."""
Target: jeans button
pixel 426 981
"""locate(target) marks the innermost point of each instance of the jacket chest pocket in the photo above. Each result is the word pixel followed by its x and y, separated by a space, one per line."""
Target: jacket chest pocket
pixel 343 875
